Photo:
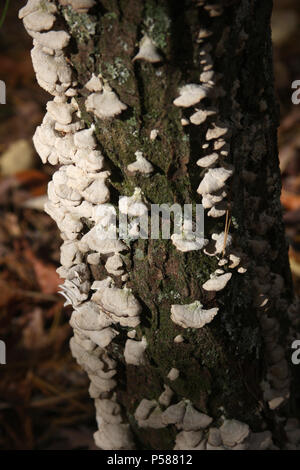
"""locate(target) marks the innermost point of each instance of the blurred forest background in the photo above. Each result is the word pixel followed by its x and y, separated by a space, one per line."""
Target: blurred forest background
pixel 44 403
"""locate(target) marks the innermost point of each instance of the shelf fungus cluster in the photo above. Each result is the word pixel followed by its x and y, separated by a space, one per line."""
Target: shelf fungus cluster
pixel 107 315
pixel 196 430
pixel 216 173
pixel 78 192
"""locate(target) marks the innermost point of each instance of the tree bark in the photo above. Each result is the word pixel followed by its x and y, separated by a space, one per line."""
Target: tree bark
pixel 226 368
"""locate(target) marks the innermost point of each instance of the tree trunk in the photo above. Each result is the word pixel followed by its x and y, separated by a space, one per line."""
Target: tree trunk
pixel 236 368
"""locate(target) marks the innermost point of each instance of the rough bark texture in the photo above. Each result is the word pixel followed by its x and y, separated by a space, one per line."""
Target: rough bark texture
pixel 222 365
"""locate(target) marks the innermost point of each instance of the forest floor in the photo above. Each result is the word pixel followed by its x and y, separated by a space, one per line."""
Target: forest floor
pixel 44 403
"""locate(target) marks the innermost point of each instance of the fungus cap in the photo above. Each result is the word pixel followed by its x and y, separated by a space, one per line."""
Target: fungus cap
pixel 190 94
pixel 148 51
pixel 192 315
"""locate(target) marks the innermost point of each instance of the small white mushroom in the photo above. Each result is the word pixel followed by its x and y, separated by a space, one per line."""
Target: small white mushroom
pixel 120 302
pixel 134 351
pixel 39 21
pixel 35 5
pixel 97 192
pixel 94 84
pixel 234 432
pixel 200 116
pixel 275 402
pixel 69 128
pixel 209 200
pixel 89 160
pixel 95 240
pixel 234 260
pixel 60 112
pixel 69 253
pixel 191 94
pixel 207 161
pixel 103 337
pixel 107 411
pixel 219 239
pixel 148 51
pixel 144 409
pixel 51 70
pixel 166 396
pixel 192 315
pixel 52 39
pixel 174 414
pixel 188 440
pixel 214 180
pixel 88 316
pixel 154 421
pixel 194 420
pixel 173 374
pixel 131 334
pixel 85 139
pixel 217 283
pixel 114 437
pixel 105 104
pixel 141 165
pixel 214 437
pixel 207 77
pixel 218 211
pixel 204 33
pixel 153 134
pixel 178 339
pixel 133 206
pixel 114 265
pixel 216 132
pixel 188 241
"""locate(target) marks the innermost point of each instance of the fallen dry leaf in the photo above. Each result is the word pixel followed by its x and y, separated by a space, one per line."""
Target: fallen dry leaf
pixel 46 274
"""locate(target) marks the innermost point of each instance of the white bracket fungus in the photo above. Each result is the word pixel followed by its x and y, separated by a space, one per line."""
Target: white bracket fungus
pixel 174 414
pixel 133 206
pixel 114 437
pixel 179 339
pixel 173 374
pixel 141 165
pixel 153 134
pixel 191 94
pixel 134 351
pixel 200 116
pixel 94 84
pixel 209 160
pixel 114 265
pixel 120 302
pixel 217 283
pixel 148 51
pixel 216 132
pixel 166 396
pixel 214 180
pixel 233 432
pixel 188 241
pixel 189 440
pixel 192 315
pixel 194 420
pixel 105 104
pixel 78 193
